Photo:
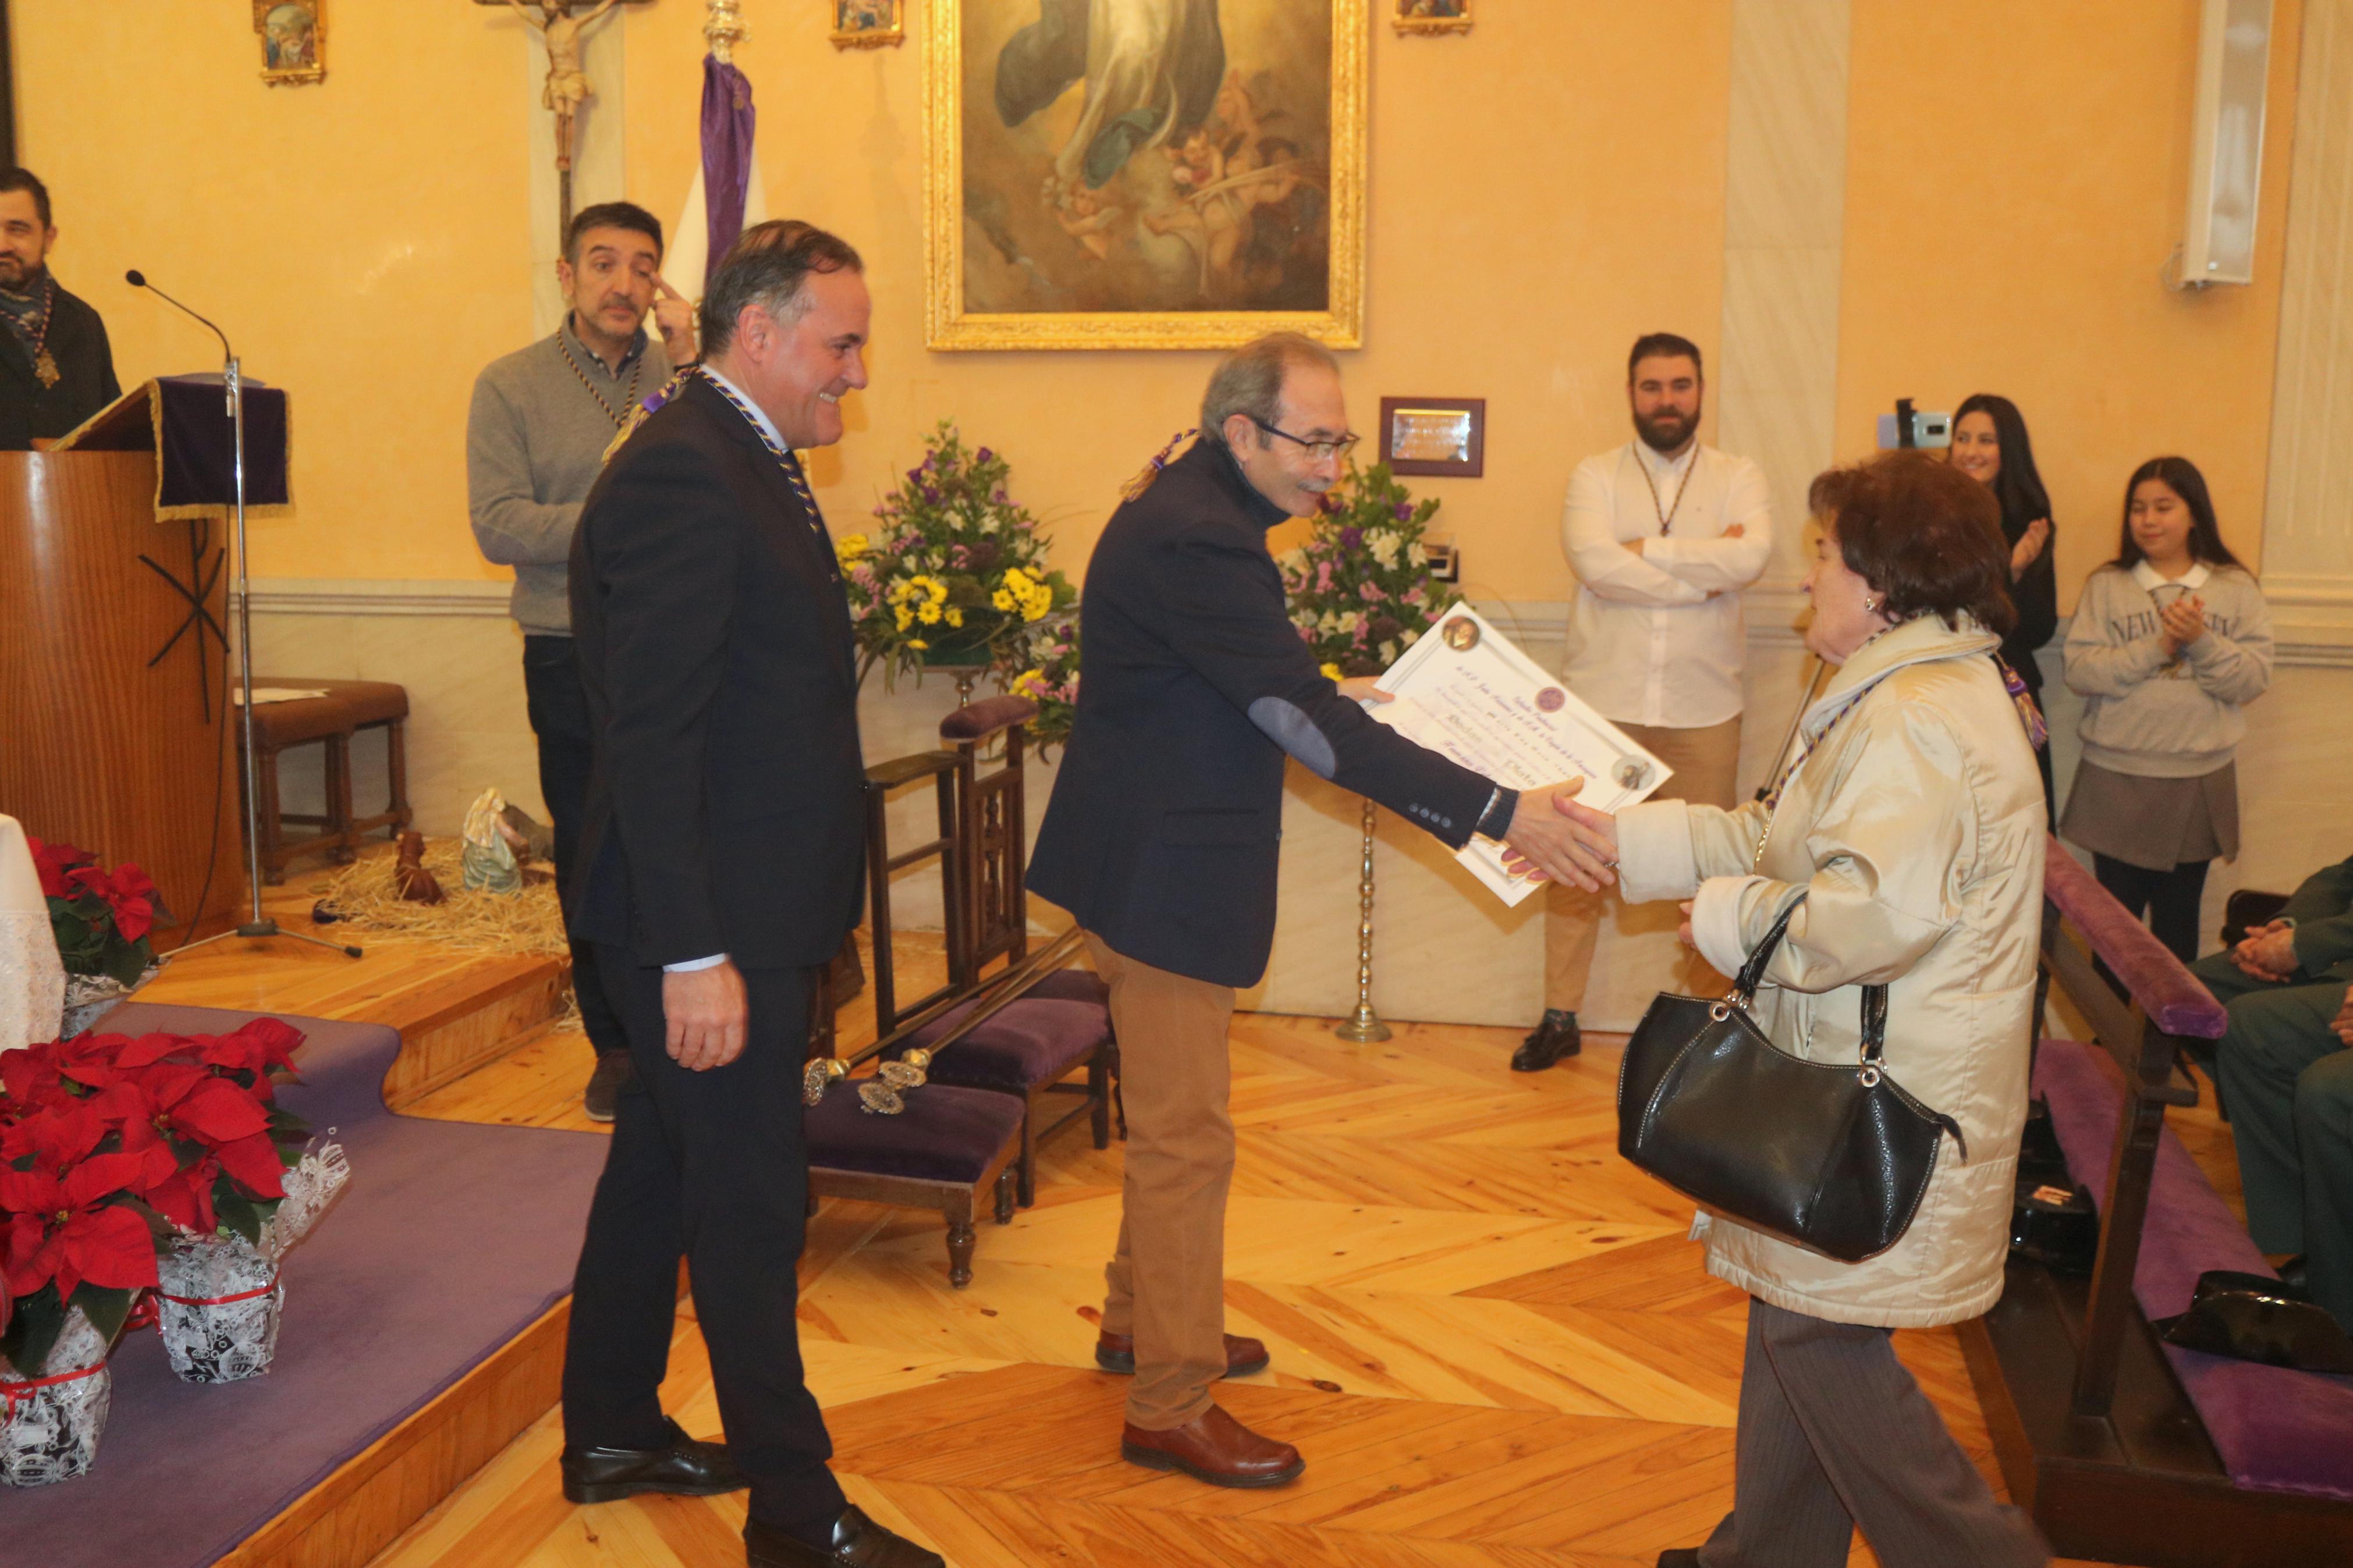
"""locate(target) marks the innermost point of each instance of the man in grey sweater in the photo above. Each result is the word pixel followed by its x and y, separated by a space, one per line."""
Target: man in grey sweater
pixel 535 439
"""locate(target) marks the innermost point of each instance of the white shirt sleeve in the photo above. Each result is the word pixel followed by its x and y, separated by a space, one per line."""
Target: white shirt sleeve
pixel 687 965
pixel 1725 565
pixel 1589 537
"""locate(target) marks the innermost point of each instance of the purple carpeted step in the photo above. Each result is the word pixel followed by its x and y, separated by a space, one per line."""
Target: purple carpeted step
pixel 451 1239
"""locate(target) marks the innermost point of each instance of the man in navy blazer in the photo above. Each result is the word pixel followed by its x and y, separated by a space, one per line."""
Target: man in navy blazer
pixel 719 854
pixel 1161 838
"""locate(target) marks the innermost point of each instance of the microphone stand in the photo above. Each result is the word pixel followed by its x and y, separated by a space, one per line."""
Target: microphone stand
pixel 258 924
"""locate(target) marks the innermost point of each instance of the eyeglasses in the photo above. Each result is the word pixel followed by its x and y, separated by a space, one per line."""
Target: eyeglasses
pixel 1317 451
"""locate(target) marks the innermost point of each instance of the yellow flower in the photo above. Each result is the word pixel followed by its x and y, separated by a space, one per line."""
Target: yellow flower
pixel 954 618
pixel 1017 579
pixel 851 548
pixel 1331 671
pixel 929 615
pixel 1002 600
pixel 904 617
pixel 1034 609
pixel 1026 679
pixel 917 642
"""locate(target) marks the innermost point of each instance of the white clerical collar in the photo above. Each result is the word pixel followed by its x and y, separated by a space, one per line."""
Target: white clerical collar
pixel 757 413
pixel 2151 580
pixel 1659 463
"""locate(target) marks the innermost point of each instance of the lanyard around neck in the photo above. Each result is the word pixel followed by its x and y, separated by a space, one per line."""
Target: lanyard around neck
pixel 1666 515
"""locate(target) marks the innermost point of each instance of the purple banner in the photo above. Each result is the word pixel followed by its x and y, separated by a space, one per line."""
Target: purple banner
pixel 728 119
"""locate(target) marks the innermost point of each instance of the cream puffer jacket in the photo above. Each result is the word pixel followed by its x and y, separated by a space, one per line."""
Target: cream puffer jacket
pixel 1915 828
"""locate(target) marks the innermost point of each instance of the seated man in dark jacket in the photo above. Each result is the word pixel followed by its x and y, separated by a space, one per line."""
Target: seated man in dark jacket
pixel 2287 1078
pixel 1161 840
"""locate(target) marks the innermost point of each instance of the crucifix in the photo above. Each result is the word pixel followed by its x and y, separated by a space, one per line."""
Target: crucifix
pixel 568 86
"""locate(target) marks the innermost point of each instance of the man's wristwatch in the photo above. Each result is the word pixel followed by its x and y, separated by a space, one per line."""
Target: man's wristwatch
pixel 1496 819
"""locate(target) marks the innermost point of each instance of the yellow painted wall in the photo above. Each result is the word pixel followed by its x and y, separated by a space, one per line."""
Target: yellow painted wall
pixel 2016 172
pixel 1530 217
pixel 360 240
pixel 1543 190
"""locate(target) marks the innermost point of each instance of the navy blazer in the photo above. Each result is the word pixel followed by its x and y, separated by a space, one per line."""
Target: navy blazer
pixel 1161 833
pixel 724 810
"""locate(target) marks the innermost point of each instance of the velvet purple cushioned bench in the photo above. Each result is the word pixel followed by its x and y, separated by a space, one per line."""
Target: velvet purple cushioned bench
pixel 2125 1450
pixel 2274 1429
pixel 451 1239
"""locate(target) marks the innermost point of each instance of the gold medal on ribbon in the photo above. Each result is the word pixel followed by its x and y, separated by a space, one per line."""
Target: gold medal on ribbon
pixel 45 368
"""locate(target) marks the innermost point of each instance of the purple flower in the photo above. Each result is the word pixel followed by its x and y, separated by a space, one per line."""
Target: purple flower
pixel 1404 510
pixel 982 455
pixel 916 476
pixel 1352 538
pixel 931 494
pixel 1328 504
pixel 999 498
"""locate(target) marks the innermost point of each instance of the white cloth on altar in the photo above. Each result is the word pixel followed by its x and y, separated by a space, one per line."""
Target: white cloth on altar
pixel 32 979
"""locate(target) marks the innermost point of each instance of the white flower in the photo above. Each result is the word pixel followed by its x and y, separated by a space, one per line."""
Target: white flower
pixel 1409 637
pixel 1389 651
pixel 1348 620
pixel 1417 557
pixel 1293 561
pixel 1384 543
pixel 1329 624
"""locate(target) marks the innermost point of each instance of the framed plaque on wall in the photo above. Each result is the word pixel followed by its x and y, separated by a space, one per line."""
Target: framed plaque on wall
pixel 1434 438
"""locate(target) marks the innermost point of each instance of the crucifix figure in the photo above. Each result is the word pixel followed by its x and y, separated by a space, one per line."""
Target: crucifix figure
pixel 567 85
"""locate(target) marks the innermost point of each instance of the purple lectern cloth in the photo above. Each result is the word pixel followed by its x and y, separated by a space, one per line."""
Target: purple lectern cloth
pixel 2276 1429
pixel 448 1241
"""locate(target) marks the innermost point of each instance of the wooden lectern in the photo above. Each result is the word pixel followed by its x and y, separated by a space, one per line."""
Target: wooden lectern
pixel 115 731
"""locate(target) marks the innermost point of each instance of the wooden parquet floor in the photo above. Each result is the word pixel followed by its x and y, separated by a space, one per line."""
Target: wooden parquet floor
pixel 1490 1338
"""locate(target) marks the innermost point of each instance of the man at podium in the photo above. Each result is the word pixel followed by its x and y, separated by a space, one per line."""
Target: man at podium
pixel 56 367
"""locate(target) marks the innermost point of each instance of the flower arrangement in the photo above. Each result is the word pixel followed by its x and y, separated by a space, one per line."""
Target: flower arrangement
pixel 1044 668
pixel 954 573
pixel 101 918
pixel 1361 591
pixel 112 1148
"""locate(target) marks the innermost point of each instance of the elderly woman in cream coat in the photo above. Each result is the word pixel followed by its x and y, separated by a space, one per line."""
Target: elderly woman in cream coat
pixel 1913 828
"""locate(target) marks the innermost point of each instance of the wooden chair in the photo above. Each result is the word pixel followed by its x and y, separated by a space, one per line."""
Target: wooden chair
pixel 1056 1024
pixel 2122 1447
pixel 348 706
pixel 951 1145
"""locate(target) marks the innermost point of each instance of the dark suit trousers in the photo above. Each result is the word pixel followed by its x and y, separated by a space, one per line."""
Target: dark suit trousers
pixel 710 1167
pixel 559 717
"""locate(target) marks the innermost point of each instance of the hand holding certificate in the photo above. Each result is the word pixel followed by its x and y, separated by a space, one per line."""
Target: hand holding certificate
pixel 1463 691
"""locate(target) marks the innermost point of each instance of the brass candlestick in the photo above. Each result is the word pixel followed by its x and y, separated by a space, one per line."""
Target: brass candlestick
pixel 1366 1028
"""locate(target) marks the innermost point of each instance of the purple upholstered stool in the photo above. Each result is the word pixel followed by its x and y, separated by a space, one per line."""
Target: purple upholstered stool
pixel 1027 1048
pixel 939 1152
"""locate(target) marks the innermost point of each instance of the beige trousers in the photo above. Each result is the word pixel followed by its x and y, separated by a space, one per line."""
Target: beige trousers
pixel 1705 762
pixel 1168 1279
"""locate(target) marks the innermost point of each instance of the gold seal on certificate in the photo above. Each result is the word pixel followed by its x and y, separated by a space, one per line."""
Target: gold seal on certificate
pixel 1467 692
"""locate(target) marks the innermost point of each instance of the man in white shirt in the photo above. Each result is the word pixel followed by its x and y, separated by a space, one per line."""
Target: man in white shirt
pixel 1663 533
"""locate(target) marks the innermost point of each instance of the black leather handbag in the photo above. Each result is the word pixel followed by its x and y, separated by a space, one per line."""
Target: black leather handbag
pixel 1832 1158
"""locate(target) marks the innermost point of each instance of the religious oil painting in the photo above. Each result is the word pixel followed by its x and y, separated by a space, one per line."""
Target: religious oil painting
pixel 293 36
pixel 1431 15
pixel 1145 173
pixel 867 23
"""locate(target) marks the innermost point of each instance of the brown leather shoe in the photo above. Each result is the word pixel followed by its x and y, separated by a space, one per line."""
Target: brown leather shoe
pixel 1116 1353
pixel 1214 1447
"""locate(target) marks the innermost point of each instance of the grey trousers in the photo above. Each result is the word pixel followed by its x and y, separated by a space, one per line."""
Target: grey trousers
pixel 1834 1434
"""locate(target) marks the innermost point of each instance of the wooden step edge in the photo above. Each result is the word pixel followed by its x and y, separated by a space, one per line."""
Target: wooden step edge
pixel 347 1519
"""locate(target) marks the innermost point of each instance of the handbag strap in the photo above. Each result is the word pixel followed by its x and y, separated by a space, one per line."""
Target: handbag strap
pixel 1874 997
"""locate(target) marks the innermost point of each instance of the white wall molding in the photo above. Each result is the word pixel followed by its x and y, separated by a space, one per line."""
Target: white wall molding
pixel 380 597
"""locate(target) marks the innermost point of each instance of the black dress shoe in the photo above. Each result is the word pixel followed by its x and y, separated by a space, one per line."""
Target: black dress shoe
pixel 601 1100
pixel 858 1542
pixel 686 1468
pixel 1554 1038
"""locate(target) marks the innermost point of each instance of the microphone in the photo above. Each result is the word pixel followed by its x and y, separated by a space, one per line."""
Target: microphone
pixel 138 279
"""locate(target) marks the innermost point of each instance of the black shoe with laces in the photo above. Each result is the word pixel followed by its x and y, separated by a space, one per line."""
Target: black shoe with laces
pixel 1554 1038
pixel 602 1095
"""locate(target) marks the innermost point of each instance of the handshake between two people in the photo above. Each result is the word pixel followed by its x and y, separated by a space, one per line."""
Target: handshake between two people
pixel 1553 838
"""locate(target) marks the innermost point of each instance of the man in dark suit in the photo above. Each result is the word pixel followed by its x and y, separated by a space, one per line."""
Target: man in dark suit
pixel 719 864
pixel 56 366
pixel 1161 837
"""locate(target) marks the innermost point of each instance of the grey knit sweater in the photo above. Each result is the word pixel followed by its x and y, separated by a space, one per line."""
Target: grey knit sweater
pixel 535 439
pixel 2146 713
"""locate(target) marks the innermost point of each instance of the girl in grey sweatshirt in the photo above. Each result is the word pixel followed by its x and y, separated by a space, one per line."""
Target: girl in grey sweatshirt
pixel 2169 642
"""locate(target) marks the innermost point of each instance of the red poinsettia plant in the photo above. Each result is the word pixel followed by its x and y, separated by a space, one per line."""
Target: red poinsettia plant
pixel 101 918
pixel 109 1145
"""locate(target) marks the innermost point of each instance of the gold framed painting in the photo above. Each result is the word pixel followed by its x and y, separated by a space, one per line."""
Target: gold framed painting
pixel 293 34
pixel 868 23
pixel 1431 15
pixel 1189 183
